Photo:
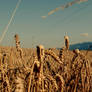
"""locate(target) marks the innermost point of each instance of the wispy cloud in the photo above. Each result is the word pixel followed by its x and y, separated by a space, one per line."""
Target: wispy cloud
pixel 65 6
pixel 80 1
pixel 43 17
pixel 53 11
pixel 84 34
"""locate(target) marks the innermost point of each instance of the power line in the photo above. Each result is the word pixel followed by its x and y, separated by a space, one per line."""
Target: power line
pixel 68 17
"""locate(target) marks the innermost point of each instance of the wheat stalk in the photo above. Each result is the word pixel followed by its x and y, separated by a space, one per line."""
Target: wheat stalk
pixel 18 45
pixel 51 53
pixel 37 68
pixel 61 82
pixel 53 82
pixel 4 74
pixel 61 54
pixel 66 39
pixel 83 69
pixel 19 82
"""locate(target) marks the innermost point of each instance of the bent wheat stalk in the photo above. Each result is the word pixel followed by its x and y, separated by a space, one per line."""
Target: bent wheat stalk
pixel 51 53
pixel 61 82
pixel 53 82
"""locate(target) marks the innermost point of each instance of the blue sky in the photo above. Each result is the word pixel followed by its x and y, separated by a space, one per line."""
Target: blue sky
pixel 33 30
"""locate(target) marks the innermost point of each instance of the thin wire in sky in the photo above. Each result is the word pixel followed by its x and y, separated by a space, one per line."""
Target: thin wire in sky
pixel 12 17
pixel 70 17
pixel 79 10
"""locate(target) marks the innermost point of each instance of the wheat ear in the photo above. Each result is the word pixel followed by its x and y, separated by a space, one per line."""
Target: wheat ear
pixel 61 82
pixel 51 53
pixel 66 39
pixel 18 45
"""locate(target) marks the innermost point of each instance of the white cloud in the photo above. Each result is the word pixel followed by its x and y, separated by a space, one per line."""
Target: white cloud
pixel 66 6
pixel 84 34
pixel 44 17
pixel 53 11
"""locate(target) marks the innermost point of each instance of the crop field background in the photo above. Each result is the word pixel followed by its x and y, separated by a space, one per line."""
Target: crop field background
pixel 45 70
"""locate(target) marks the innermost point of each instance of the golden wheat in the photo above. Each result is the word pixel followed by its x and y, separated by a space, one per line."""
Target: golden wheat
pixel 18 45
pixel 66 38
pixel 44 70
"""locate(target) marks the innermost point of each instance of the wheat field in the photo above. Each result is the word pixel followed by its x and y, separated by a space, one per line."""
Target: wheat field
pixel 45 70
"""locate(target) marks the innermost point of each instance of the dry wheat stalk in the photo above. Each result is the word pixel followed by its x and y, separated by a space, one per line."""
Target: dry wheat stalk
pixel 11 60
pixel 66 38
pixel 61 82
pixel 76 52
pixel 5 79
pixel 53 85
pixel 87 71
pixel 61 54
pixel 19 82
pixel 31 74
pixel 81 69
pixel 18 45
pixel 51 53
pixel 41 54
pixel 0 60
pixel 19 49
pixel 37 69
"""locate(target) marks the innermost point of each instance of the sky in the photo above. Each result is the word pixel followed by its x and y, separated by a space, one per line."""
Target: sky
pixel 33 29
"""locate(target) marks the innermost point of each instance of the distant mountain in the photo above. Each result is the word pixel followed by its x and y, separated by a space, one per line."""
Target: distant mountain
pixel 81 46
